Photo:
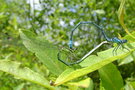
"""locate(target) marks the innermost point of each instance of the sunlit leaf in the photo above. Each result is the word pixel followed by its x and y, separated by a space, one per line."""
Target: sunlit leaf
pixel 127 59
pixel 130 85
pixel 83 83
pixel 133 84
pixel 45 51
pixel 91 85
pixel 129 38
pixel 20 72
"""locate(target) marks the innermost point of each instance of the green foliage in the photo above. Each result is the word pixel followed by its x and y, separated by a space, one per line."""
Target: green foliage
pixel 25 73
pixel 45 51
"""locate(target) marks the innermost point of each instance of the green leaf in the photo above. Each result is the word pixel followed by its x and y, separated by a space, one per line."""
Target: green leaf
pixel 19 87
pixel 129 38
pixel 94 62
pixel 91 85
pixel 25 73
pixel 101 86
pixel 127 59
pixel 121 18
pixel 130 85
pixel 45 51
pixel 133 84
pixel 110 77
pixel 83 83
pixel 86 83
pixel 71 87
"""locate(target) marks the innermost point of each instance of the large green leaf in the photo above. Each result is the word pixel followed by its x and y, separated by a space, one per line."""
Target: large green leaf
pixel 15 68
pixel 110 77
pixel 93 63
pixel 45 51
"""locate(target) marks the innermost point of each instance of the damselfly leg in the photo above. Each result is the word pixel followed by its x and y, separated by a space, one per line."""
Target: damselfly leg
pixel 120 46
pixel 125 47
pixel 115 50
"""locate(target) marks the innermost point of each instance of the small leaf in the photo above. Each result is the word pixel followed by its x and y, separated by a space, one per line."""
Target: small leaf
pixel 98 11
pixel 19 87
pixel 133 84
pixel 83 83
pixel 25 73
pixel 110 77
pixel 127 59
pixel 130 85
pixel 45 51
pixel 129 38
pixel 91 85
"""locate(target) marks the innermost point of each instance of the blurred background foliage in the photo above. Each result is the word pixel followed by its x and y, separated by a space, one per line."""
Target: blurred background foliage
pixel 54 19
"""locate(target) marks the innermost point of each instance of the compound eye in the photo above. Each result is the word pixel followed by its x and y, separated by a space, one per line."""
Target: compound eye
pixel 124 41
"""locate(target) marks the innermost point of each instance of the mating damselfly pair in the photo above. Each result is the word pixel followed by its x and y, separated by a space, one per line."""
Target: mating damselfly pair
pixel 71 50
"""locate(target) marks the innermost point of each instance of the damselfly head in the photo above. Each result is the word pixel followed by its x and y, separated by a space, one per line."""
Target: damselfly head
pixel 124 41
